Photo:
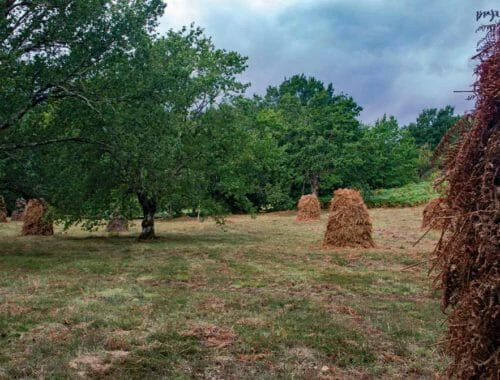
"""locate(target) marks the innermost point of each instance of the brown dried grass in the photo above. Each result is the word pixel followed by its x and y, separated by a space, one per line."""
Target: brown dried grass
pixel 308 208
pixel 35 222
pixel 211 335
pixel 467 255
pixel 349 223
pixel 435 214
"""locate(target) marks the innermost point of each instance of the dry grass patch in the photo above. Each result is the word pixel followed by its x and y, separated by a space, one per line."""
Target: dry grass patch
pixel 211 335
pixel 91 365
pixel 258 298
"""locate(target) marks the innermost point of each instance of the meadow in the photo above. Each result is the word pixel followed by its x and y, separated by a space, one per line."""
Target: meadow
pixel 258 297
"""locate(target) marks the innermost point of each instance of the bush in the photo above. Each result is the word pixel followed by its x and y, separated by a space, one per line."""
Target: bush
pixel 412 194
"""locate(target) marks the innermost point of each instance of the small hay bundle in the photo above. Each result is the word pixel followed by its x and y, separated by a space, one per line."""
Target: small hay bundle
pixel 349 223
pixel 3 211
pixel 34 219
pixel 18 213
pixel 308 208
pixel 435 214
pixel 117 223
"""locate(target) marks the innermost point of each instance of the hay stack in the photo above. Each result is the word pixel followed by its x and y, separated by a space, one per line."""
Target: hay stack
pixel 467 255
pixel 308 208
pixel 3 211
pixel 117 223
pixel 34 221
pixel 349 223
pixel 435 214
pixel 18 213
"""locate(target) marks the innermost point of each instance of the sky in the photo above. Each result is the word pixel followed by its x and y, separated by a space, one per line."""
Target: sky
pixel 394 57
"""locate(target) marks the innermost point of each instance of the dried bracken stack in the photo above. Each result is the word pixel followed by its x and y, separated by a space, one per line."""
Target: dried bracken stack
pixel 435 214
pixel 349 223
pixel 468 253
pixel 117 223
pixel 35 222
pixel 18 213
pixel 3 211
pixel 308 208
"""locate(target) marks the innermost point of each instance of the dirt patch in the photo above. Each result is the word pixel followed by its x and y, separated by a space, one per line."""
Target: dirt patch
pixel 117 341
pixel 343 309
pixel 213 304
pixel 84 363
pixel 252 358
pixel 96 364
pixel 211 335
pixel 13 309
pixel 53 332
pixel 251 322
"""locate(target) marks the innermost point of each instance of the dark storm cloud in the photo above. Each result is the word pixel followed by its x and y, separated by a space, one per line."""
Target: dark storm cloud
pixel 394 57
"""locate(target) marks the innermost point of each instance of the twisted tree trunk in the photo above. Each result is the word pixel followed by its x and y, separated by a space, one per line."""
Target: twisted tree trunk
pixel 148 205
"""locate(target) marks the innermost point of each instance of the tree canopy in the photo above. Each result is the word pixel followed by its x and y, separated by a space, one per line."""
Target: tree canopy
pixel 317 124
pixel 431 125
pixel 47 48
pixel 153 134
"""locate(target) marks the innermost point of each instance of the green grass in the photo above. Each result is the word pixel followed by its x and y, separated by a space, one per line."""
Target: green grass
pixel 260 299
pixel 413 194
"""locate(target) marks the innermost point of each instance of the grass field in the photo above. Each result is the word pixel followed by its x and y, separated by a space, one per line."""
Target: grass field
pixel 258 298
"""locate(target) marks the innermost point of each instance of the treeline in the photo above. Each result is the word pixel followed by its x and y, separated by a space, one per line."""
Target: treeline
pixel 98 113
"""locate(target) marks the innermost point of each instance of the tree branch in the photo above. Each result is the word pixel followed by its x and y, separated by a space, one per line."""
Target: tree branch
pixel 83 140
pixel 80 96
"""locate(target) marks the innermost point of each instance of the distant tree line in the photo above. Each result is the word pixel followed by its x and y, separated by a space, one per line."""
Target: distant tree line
pixel 99 113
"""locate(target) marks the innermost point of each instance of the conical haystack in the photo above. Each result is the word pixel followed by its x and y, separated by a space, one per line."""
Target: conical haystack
pixel 117 223
pixel 3 211
pixel 349 223
pixel 308 208
pixel 34 221
pixel 435 214
pixel 18 213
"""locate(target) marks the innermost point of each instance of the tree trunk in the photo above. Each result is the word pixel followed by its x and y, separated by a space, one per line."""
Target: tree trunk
pixel 148 205
pixel 314 182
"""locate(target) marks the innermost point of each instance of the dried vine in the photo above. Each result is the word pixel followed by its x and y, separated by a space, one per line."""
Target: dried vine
pixel 467 255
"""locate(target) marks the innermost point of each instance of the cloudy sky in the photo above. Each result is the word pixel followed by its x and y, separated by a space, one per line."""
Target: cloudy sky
pixel 392 56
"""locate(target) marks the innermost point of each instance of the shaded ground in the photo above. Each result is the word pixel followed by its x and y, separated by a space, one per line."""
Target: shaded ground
pixel 258 298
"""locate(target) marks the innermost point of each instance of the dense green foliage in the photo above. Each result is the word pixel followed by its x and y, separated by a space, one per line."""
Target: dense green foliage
pixel 103 115
pixel 428 130
pixel 48 48
pixel 148 130
pixel 431 125
pixel 412 194
pixel 317 126
pixel 384 157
